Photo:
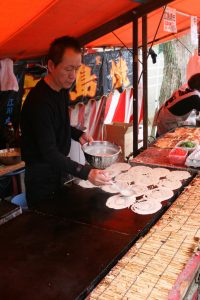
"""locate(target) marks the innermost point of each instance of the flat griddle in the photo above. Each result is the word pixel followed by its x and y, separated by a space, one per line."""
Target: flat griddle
pixel 44 257
pixel 65 249
pixel 87 207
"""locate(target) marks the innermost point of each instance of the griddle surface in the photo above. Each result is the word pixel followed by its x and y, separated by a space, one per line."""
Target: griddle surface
pixel 88 206
pixel 47 258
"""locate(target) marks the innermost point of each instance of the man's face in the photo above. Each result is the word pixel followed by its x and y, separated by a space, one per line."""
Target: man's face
pixel 64 74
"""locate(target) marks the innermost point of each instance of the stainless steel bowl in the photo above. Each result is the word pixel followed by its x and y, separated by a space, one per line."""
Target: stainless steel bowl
pixel 101 154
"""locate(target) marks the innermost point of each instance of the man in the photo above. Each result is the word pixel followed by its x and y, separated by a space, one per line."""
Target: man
pixel 46 130
pixel 176 110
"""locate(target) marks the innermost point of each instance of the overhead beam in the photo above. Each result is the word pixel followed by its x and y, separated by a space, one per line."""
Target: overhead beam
pixel 122 20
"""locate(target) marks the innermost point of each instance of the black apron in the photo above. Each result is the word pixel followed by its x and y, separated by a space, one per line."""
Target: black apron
pixel 41 182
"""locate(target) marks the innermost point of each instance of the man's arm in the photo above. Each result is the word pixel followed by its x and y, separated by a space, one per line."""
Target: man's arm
pixel 80 136
pixel 76 133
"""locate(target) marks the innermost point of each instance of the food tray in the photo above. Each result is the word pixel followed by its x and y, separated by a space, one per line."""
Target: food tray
pixel 158 157
pixel 169 141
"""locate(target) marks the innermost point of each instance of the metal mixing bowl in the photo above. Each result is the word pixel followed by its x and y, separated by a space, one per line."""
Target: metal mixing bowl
pixel 101 154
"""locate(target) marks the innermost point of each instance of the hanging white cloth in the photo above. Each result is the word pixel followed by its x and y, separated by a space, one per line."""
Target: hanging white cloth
pixel 8 80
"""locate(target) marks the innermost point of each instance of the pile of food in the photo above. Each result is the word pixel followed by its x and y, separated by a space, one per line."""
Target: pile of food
pixel 171 139
pixel 187 144
pixel 148 187
pixel 186 139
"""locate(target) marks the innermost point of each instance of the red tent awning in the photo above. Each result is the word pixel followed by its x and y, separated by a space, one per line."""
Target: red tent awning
pixel 28 27
pixel 185 9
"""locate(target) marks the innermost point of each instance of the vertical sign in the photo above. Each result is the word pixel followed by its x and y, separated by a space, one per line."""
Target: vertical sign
pixel 194 32
pixel 170 20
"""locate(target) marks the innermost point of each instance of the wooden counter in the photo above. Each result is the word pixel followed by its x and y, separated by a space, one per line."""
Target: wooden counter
pixel 4 170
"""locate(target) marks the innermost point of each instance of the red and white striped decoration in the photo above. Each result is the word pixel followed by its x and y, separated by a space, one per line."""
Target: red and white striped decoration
pixel 119 107
pixel 114 108
pixel 90 115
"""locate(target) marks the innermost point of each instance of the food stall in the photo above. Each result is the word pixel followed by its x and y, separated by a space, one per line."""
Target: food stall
pixel 93 244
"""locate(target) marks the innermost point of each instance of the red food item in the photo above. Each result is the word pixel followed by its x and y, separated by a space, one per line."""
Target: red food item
pixel 177 156
pixel 179 152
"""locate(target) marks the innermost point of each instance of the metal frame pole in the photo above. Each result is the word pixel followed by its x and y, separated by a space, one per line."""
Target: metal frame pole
pixel 135 86
pixel 198 27
pixel 145 82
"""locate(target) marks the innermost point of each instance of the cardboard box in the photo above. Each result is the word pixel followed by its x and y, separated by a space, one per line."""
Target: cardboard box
pixel 120 134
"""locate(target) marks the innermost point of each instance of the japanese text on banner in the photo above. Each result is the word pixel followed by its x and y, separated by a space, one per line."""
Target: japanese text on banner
pixel 170 20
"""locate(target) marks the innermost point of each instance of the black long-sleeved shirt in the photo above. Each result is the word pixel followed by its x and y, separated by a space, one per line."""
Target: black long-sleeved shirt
pixel 46 131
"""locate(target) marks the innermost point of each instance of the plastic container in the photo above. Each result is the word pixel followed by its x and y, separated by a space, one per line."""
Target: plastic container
pixel 189 149
pixel 177 156
pixel 193 160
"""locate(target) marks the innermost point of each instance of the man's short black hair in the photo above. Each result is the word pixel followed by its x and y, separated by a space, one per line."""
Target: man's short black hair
pixel 194 82
pixel 59 45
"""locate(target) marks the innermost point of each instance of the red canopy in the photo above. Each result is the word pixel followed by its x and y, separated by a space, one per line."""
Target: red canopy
pixel 28 27
pixel 185 9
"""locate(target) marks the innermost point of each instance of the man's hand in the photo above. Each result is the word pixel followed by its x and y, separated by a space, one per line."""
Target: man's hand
pixel 99 177
pixel 85 138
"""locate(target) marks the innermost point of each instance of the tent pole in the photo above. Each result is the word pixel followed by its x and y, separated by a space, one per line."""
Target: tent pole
pixel 145 81
pixel 198 38
pixel 135 86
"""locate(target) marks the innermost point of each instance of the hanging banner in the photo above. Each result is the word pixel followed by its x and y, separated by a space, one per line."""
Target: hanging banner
pixel 99 74
pixel 194 31
pixel 10 105
pixel 102 73
pixel 170 20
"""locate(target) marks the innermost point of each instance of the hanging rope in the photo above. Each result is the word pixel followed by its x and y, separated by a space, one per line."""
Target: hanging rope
pixel 124 45
pixel 182 44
